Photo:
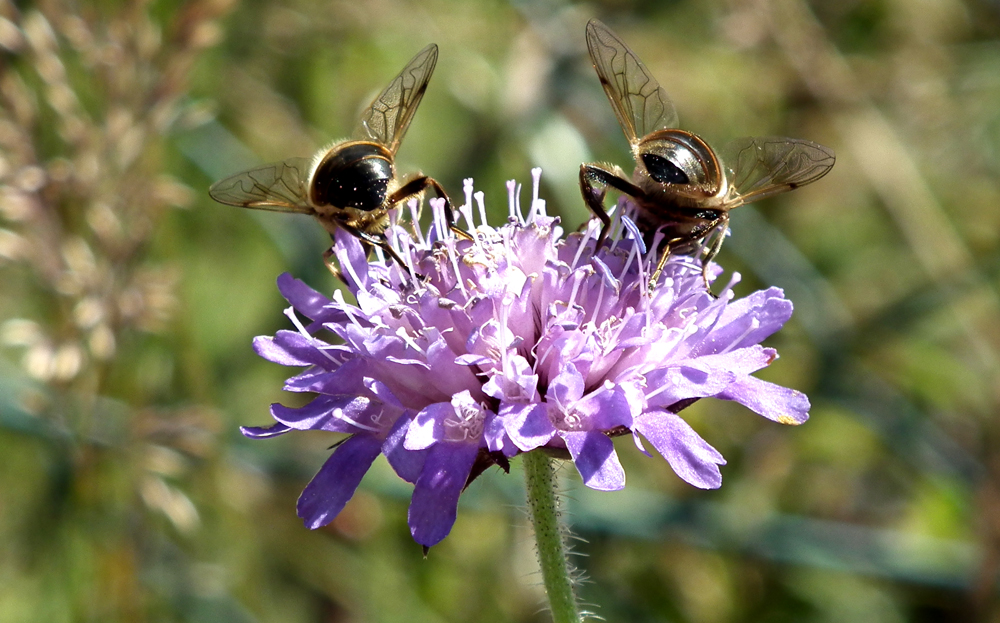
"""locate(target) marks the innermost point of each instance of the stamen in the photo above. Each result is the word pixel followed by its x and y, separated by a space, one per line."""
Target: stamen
pixel 482 207
pixel 754 325
pixel 600 300
pixel 467 188
pixel 338 413
pixel 617 212
pixel 537 205
pixel 406 252
pixel 469 216
pixel 536 175
pixel 290 312
pixel 404 335
pixel 338 297
pixel 643 281
pixel 344 263
pixel 517 204
pixel 507 239
pixel 607 280
pixel 466 208
pixel 578 277
pixel 632 253
pixel 537 209
pixel 512 214
pixel 728 291
pixel 584 239
pixel 659 390
pixel 504 316
pixel 633 230
pixel 453 258
pixel 437 205
pixel 414 206
pixel 391 235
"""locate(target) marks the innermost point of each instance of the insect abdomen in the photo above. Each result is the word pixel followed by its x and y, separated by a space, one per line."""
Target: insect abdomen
pixel 353 176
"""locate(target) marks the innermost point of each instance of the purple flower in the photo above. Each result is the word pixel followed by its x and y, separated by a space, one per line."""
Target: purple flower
pixel 516 339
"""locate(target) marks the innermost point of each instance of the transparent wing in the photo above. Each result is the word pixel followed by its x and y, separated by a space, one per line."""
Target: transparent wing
pixel 386 120
pixel 640 104
pixel 279 186
pixel 759 167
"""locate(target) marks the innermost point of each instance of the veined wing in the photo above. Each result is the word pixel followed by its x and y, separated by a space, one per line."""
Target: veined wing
pixel 640 104
pixel 279 186
pixel 387 119
pixel 759 167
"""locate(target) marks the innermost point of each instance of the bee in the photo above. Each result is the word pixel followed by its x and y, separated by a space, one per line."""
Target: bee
pixel 681 185
pixel 351 184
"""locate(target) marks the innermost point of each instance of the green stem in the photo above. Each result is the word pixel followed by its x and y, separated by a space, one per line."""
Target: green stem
pixel 542 507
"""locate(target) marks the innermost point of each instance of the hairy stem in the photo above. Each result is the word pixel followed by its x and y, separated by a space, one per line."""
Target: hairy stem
pixel 552 550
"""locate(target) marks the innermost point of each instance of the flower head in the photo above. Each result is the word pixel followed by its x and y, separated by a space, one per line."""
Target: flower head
pixel 508 340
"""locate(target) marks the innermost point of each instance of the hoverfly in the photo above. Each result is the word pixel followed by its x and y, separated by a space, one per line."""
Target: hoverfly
pixel 352 183
pixel 682 186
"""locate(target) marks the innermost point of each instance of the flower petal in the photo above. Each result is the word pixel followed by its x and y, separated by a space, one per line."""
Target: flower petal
pixel 264 432
pixel 595 458
pixel 748 321
pixel 691 379
pixel 353 260
pixel 427 427
pixel 304 299
pixel 781 404
pixel 606 408
pixel 383 393
pixel 496 437
pixel 688 454
pixel 741 361
pixel 434 505
pixel 528 425
pixel 287 348
pixel 566 388
pixel 330 489
pixel 406 463
pixel 515 382
pixel 340 414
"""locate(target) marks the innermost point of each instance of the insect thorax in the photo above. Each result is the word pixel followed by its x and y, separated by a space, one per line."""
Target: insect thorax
pixel 682 158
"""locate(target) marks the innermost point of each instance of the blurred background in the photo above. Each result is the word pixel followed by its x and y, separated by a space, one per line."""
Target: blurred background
pixel 130 299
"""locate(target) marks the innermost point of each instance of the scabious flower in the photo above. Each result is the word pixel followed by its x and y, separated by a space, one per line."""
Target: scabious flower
pixel 511 340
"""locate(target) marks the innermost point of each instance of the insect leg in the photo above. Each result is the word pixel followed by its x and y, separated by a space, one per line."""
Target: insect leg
pixel 418 185
pixel 332 267
pixel 664 255
pixel 594 183
pixel 379 241
pixel 448 214
pixel 719 226
pixel 722 225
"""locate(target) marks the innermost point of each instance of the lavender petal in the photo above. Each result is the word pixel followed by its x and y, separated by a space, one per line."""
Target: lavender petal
pixel 434 505
pixel 781 404
pixel 688 454
pixel 596 460
pixel 330 489
pixel 264 432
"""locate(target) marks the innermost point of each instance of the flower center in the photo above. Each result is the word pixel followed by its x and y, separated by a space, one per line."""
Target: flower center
pixel 466 424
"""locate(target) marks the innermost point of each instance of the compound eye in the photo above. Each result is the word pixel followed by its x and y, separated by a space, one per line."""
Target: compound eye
pixel 664 171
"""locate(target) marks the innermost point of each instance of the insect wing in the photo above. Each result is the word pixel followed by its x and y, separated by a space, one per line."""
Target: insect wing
pixel 641 105
pixel 759 167
pixel 279 186
pixel 387 119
